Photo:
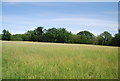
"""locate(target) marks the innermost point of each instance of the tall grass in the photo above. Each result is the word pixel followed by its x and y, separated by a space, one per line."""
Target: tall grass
pixel 32 60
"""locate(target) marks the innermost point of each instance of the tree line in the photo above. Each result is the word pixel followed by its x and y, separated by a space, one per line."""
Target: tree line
pixel 61 35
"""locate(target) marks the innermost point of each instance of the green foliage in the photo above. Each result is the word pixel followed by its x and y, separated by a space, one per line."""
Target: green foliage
pixel 116 40
pixel 50 35
pixel 31 36
pixel 6 35
pixel 61 35
pixel 119 31
pixel 104 38
pixel 38 32
pixel 25 37
pixel 83 39
pixel 86 37
pixel 99 39
pixel 0 36
pixel 16 37
pixel 35 35
pixel 75 39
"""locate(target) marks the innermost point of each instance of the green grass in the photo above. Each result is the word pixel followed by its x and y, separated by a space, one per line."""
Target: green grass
pixel 32 60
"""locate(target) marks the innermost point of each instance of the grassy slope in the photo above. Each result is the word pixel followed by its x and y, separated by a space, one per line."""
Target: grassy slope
pixel 28 60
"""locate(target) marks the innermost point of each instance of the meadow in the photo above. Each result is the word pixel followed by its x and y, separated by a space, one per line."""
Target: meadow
pixel 36 60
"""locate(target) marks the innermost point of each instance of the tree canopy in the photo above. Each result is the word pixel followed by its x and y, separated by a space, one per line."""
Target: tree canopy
pixel 104 38
pixel 6 35
pixel 86 37
pixel 61 35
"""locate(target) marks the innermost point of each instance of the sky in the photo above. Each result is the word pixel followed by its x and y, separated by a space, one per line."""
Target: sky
pixel 59 0
pixel 96 17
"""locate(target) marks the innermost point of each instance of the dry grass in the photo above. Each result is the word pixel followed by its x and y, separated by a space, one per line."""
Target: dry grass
pixel 33 60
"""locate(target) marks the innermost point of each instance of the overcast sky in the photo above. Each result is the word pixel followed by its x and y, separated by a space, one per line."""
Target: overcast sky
pixel 96 17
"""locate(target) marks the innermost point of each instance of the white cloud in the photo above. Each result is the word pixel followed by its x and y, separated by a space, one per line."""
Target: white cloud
pixel 19 24
pixel 87 22
pixel 111 12
pixel 78 21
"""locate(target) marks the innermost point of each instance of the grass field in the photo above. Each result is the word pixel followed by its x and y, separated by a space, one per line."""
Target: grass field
pixel 32 60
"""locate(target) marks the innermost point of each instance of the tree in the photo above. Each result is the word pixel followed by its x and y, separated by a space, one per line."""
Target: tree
pixel 25 37
pixel 83 39
pixel 95 40
pixel 35 35
pixel 107 38
pixel 56 35
pixel 50 35
pixel 116 40
pixel 119 31
pixel 75 39
pixel 99 40
pixel 63 35
pixel 104 38
pixel 86 37
pixel 6 35
pixel 31 36
pixel 0 36
pixel 16 37
pixel 38 32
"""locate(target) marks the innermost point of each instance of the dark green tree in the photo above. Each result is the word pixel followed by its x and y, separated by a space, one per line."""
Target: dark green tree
pixel 31 36
pixel 16 37
pixel 63 35
pixel 0 36
pixel 86 37
pixel 75 39
pixel 38 32
pixel 50 35
pixel 25 37
pixel 116 40
pixel 6 35
pixel 104 38
pixel 107 37
pixel 119 31
pixel 99 40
